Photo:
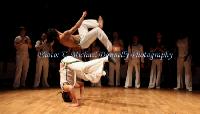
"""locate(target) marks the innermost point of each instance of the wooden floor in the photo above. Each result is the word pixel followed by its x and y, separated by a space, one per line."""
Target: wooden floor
pixel 101 101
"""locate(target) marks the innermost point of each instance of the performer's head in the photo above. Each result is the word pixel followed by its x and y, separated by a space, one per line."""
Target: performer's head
pixel 52 34
pixel 115 36
pixel 159 37
pixel 22 31
pixel 135 39
pixel 44 36
pixel 184 38
pixel 67 97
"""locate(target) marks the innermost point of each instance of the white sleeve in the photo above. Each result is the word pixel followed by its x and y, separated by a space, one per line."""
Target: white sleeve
pixel 37 44
pixel 17 39
pixel 28 37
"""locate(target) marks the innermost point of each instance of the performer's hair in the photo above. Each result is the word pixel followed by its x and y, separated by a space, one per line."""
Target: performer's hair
pixel 20 29
pixel 52 34
pixel 66 97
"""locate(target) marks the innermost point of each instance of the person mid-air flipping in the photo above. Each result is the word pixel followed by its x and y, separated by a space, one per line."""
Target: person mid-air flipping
pixel 85 37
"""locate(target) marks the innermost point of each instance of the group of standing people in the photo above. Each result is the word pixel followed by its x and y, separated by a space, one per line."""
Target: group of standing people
pixel 22 45
pixel 136 63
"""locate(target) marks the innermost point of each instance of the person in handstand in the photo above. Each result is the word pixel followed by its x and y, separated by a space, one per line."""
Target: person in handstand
pixel 72 68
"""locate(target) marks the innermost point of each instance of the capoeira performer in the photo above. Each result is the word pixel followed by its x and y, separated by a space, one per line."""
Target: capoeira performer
pixel 85 38
pixel 117 49
pixel 156 65
pixel 43 48
pixel 22 44
pixel 72 68
pixel 134 61
pixel 184 61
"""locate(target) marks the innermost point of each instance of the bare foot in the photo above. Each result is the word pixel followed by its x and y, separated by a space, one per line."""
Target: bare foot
pixel 100 21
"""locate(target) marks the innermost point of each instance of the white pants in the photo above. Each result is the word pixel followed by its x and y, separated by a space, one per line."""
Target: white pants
pixel 88 37
pixel 22 65
pixel 42 64
pixel 90 70
pixel 98 84
pixel 112 69
pixel 133 64
pixel 155 76
pixel 188 74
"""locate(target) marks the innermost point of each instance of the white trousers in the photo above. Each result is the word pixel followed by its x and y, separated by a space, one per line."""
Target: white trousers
pixel 42 64
pixel 112 69
pixel 90 70
pixel 133 64
pixel 156 65
pixel 22 65
pixel 88 37
pixel 98 84
pixel 188 74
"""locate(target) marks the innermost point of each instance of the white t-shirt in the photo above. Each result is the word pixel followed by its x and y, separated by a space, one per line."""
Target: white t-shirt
pixel 136 52
pixel 45 50
pixel 22 50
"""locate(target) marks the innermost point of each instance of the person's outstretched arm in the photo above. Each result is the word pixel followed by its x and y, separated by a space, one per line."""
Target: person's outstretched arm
pixel 59 33
pixel 75 100
pixel 78 24
pixel 81 86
